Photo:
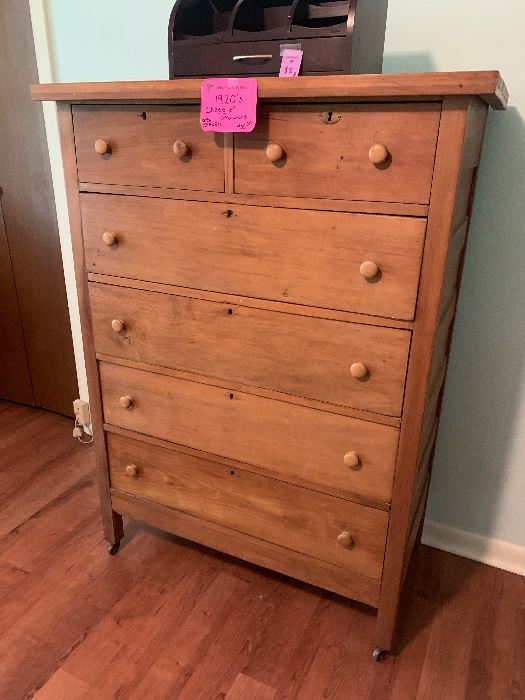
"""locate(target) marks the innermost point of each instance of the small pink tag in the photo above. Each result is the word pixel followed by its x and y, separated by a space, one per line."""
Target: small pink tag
pixel 228 104
pixel 291 63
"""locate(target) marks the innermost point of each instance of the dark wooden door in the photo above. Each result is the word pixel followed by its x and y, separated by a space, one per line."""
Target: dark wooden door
pixel 30 259
pixel 15 381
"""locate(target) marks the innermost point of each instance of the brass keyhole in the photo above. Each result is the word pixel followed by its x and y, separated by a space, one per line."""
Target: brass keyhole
pixel 330 117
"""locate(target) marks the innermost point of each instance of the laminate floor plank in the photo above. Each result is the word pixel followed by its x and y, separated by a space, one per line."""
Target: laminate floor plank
pixel 245 687
pixel 168 619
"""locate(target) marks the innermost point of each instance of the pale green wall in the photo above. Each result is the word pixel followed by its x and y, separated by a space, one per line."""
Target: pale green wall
pixel 479 474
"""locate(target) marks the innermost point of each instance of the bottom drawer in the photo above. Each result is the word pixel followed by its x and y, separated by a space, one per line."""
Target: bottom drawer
pixel 330 529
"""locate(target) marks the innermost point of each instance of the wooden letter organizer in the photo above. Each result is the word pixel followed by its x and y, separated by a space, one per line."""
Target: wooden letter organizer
pixel 267 317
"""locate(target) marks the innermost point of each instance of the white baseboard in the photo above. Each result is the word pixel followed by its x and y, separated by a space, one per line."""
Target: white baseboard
pixel 502 555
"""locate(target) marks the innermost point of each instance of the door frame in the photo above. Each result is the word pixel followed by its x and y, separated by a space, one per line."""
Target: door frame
pixel 47 74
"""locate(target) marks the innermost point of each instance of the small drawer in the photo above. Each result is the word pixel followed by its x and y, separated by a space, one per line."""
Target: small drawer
pixel 329 529
pixel 155 146
pixel 354 152
pixel 310 445
pixel 257 57
pixel 350 364
pixel 352 262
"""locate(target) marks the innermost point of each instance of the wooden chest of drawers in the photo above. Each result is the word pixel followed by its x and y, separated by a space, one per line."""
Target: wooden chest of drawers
pixel 267 318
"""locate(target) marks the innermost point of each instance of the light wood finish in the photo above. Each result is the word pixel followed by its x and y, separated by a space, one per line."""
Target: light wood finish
pixel 346 540
pixel 118 326
pixel 262 338
pixel 287 439
pixel 273 511
pixel 252 303
pixel 341 168
pixel 275 152
pixel 378 153
pixel 359 371
pixel 126 402
pixel 230 197
pixel 132 471
pixel 102 147
pixel 181 149
pixel 237 241
pixel 109 238
pixel 379 418
pixel 460 128
pixel 282 559
pixel 245 466
pixel 231 342
pixel 369 269
pixel 352 459
pixel 112 521
pixel 141 150
pixel 488 85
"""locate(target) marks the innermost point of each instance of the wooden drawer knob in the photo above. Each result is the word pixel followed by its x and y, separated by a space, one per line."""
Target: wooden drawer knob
pixel 109 238
pixel 181 149
pixel 118 325
pixel 126 401
pixel 359 370
pixel 132 471
pixel 101 147
pixel 369 270
pixel 346 540
pixel 274 152
pixel 378 154
pixel 351 459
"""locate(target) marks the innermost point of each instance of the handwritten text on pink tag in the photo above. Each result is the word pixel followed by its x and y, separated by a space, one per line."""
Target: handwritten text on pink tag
pixel 228 104
pixel 291 63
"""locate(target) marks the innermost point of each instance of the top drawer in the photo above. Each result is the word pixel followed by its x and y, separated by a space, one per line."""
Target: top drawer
pixel 155 146
pixel 362 152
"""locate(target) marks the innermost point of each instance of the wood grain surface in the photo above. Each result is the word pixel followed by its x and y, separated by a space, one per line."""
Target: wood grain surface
pixel 268 509
pixel 459 144
pixel 279 351
pixel 282 437
pixel 489 85
pixel 312 258
pixel 141 147
pixel 332 160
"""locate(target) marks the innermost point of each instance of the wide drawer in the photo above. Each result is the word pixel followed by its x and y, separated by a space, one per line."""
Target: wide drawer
pixel 307 257
pixel 283 352
pixel 330 529
pixel 293 441
pixel 365 152
pixel 141 147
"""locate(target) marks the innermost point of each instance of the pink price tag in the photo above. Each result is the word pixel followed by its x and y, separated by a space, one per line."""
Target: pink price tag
pixel 228 104
pixel 291 63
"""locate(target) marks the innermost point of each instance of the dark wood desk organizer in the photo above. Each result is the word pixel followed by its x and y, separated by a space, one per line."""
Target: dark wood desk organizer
pixel 247 37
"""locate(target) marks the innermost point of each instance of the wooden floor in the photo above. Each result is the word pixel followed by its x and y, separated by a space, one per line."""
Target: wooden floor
pixel 168 619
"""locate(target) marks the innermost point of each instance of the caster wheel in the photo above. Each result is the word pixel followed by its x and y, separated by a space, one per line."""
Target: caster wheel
pixel 113 548
pixel 379 655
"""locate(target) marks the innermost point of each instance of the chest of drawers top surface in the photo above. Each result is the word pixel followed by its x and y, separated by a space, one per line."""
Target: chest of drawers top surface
pixel 267 316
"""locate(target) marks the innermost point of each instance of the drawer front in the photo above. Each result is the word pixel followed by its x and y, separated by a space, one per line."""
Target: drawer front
pixel 333 160
pixel 306 257
pixel 321 55
pixel 298 355
pixel 286 515
pixel 140 141
pixel 287 439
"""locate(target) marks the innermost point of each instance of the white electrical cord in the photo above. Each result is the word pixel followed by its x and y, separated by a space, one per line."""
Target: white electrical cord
pixel 78 433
